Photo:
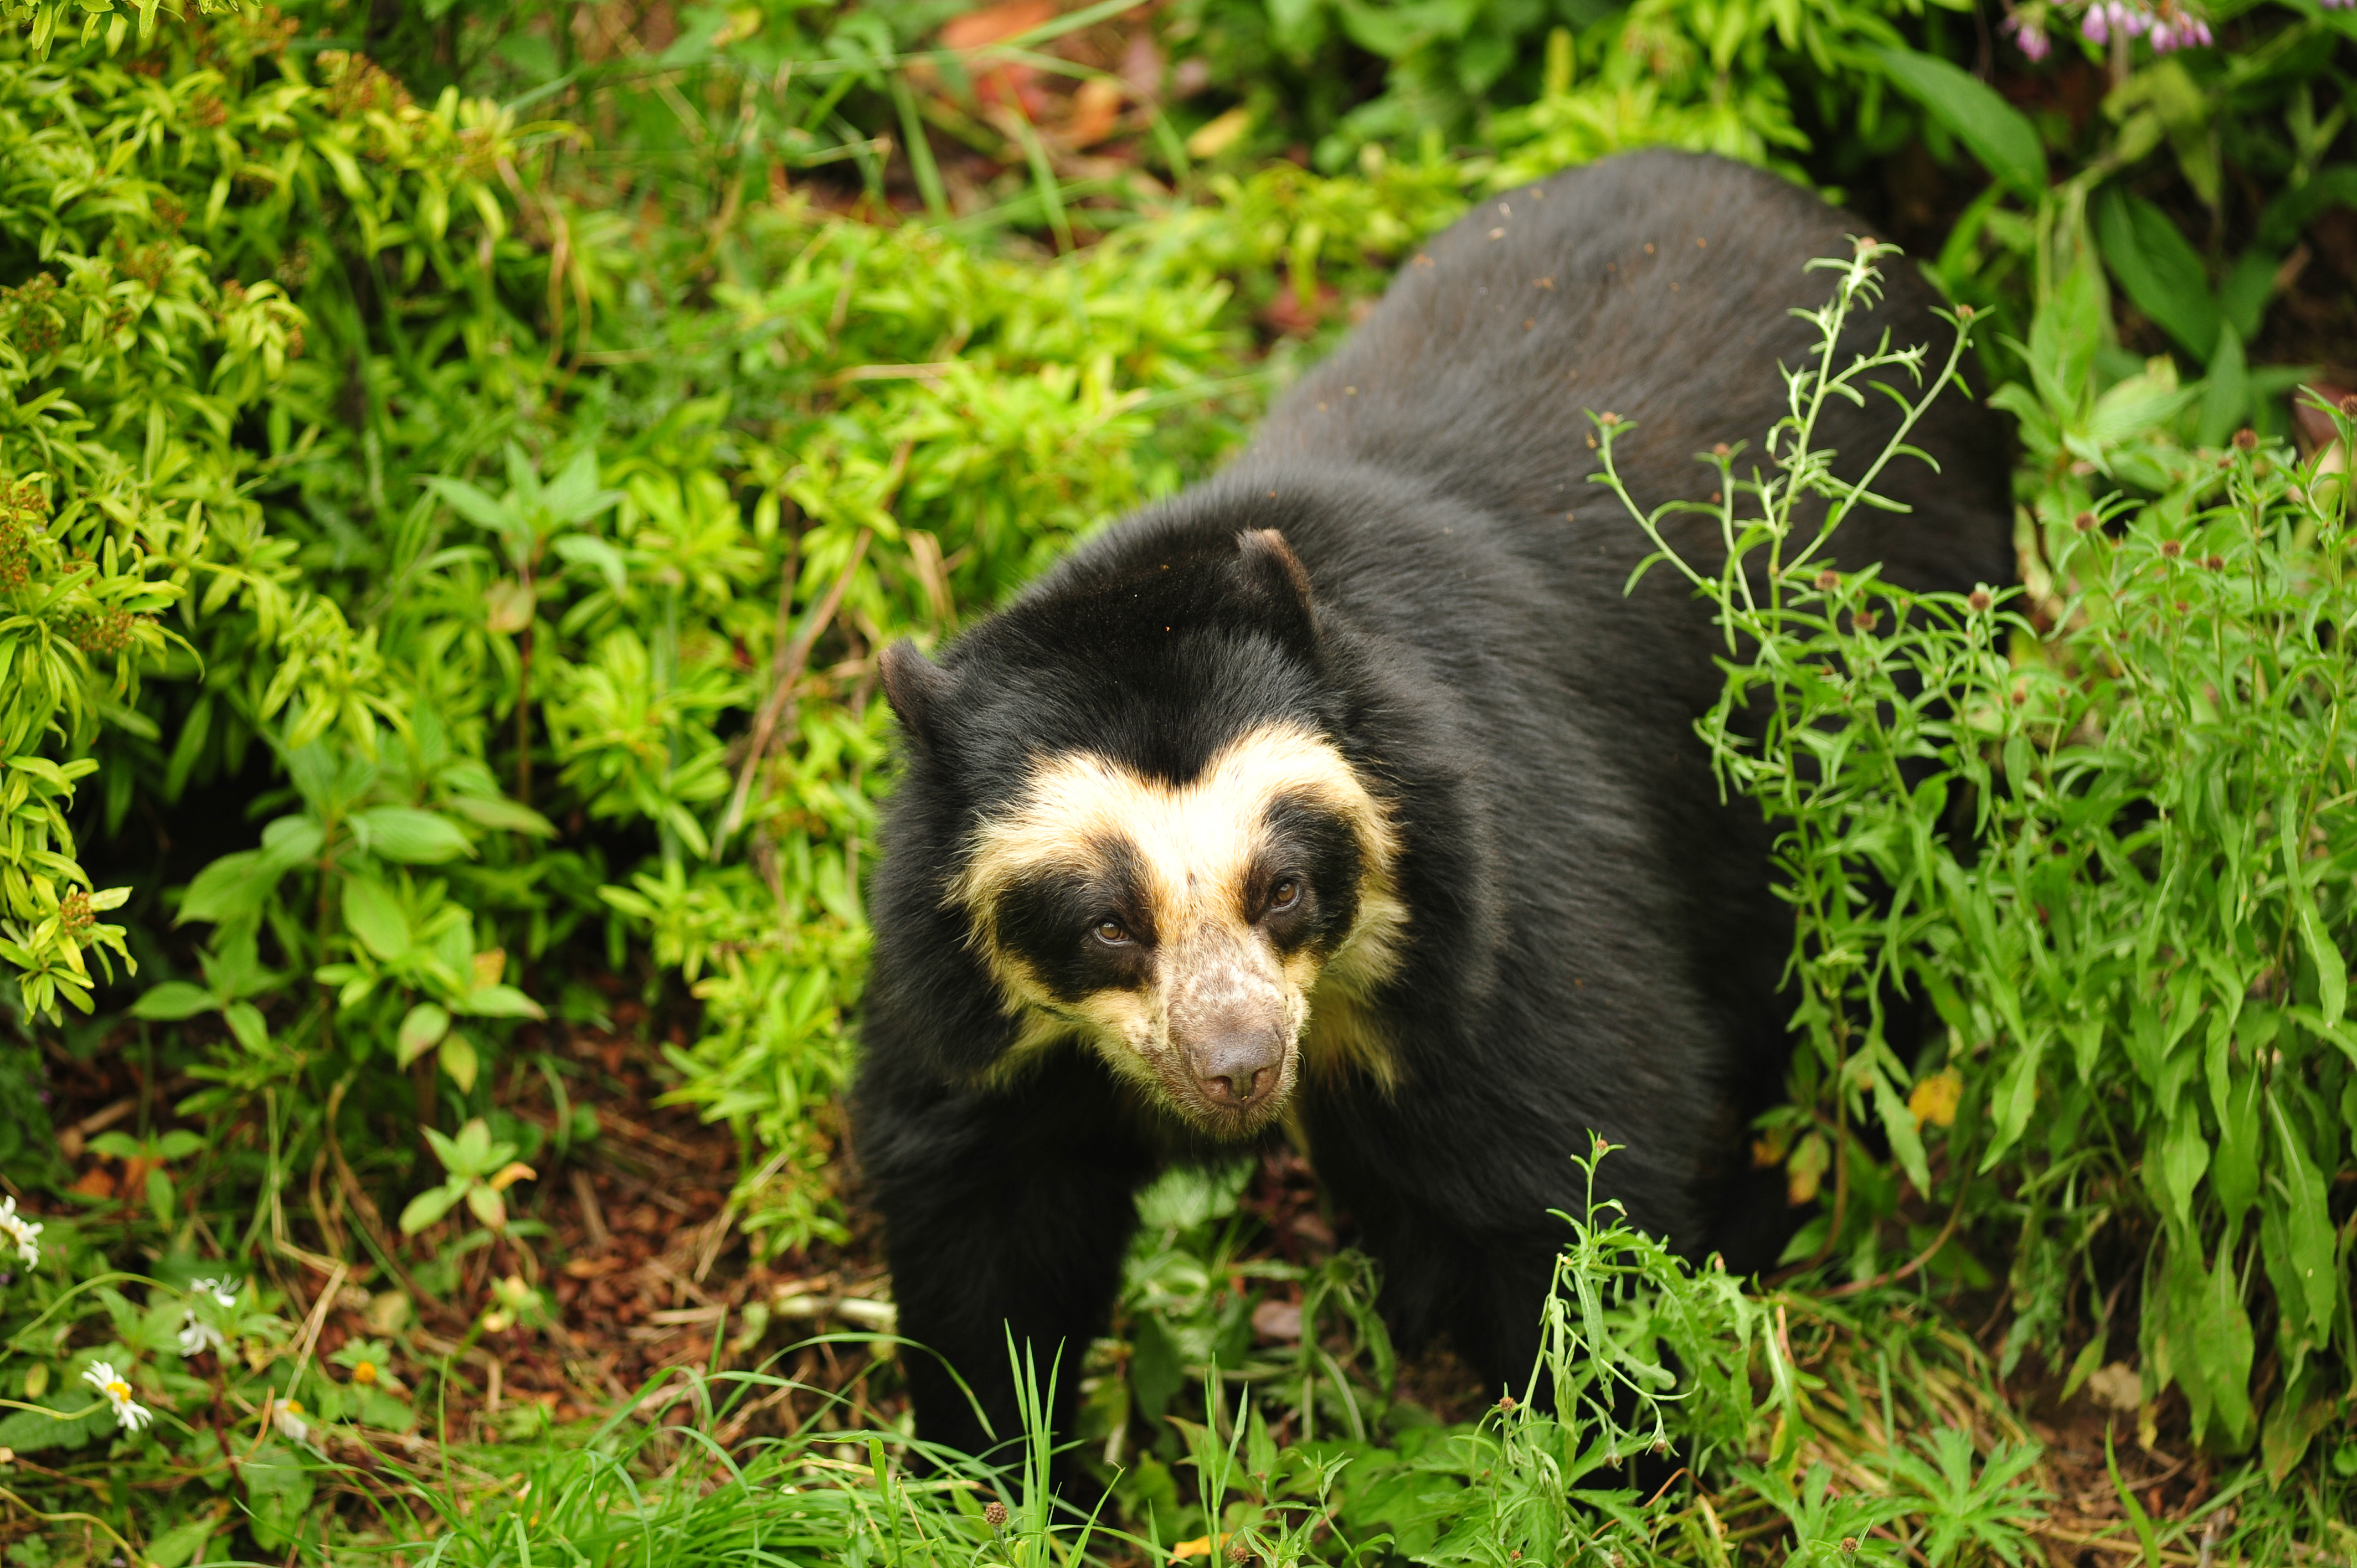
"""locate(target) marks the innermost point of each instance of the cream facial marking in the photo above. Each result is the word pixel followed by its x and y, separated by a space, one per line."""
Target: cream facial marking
pixel 1189 932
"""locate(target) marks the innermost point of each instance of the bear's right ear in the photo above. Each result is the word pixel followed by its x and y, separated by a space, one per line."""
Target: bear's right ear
pixel 914 685
pixel 1277 585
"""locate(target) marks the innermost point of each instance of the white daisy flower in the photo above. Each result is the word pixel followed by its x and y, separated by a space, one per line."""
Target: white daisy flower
pixel 198 1335
pixel 289 1417
pixel 128 1412
pixel 15 1227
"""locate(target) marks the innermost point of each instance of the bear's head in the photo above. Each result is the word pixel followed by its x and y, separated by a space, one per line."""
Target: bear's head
pixel 1160 846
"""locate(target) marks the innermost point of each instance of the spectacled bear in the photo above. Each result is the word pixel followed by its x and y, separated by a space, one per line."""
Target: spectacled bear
pixel 1347 797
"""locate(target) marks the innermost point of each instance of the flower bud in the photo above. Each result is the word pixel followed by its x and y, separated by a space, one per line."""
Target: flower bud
pixel 1979 599
pixel 994 1514
pixel 2085 522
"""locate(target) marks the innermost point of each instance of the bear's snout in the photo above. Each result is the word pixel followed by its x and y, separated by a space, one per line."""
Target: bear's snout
pixel 1239 1070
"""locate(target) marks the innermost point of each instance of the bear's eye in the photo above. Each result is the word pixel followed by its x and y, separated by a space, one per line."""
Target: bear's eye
pixel 1111 932
pixel 1283 894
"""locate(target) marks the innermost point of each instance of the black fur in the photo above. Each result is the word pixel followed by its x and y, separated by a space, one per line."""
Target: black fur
pixel 1592 944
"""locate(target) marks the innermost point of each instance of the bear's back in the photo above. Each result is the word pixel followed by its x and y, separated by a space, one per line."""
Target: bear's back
pixel 1657 286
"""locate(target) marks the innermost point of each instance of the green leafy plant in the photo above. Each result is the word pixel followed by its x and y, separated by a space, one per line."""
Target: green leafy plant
pixel 2137 930
pixel 476 1170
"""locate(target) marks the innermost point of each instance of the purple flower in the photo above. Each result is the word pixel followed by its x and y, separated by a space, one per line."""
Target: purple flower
pixel 2094 26
pixel 2178 29
pixel 2030 38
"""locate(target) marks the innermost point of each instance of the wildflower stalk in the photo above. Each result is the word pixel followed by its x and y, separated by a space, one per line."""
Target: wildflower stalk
pixel 1809 651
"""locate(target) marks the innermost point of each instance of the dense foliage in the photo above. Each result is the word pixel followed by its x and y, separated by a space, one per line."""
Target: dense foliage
pixel 460 463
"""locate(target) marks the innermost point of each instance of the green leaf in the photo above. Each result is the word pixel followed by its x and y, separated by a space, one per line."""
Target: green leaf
pixel 2298 1415
pixel 498 812
pixel 246 1023
pixel 1999 136
pixel 2184 1156
pixel 2159 269
pixel 474 505
pixel 501 1002
pixel 2331 969
pixel 2307 1226
pixel 173 1000
pixel 1906 1142
pixel 289 841
pixel 474 1146
pixel 2243 297
pixel 430 1206
pixel 458 1060
pixel 2234 1173
pixel 2140 1521
pixel 230 887
pixel 179 1544
pixel 410 836
pixel 2017 1092
pixel 489 1206
pixel 424 1024
pixel 588 550
pixel 2064 338
pixel 374 915
pixel 2226 391
pixel 447 1151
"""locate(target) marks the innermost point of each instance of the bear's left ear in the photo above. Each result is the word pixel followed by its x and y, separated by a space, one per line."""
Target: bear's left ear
pixel 1276 586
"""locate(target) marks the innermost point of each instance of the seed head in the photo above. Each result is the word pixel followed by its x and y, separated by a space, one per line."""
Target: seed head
pixel 1505 1403
pixel 1963 313
pixel 1866 620
pixel 1239 1550
pixel 2172 548
pixel 1828 581
pixel 994 1514
pixel 1608 417
pixel 2246 439
pixel 1849 1546
pixel 2215 562
pixel 1979 599
pixel 2349 405
pixel 2085 522
pixel 1721 449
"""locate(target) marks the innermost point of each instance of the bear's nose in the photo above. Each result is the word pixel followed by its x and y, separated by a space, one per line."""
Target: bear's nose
pixel 1237 1071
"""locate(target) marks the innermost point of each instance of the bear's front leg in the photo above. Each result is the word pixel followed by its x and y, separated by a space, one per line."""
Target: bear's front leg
pixel 1005 1209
